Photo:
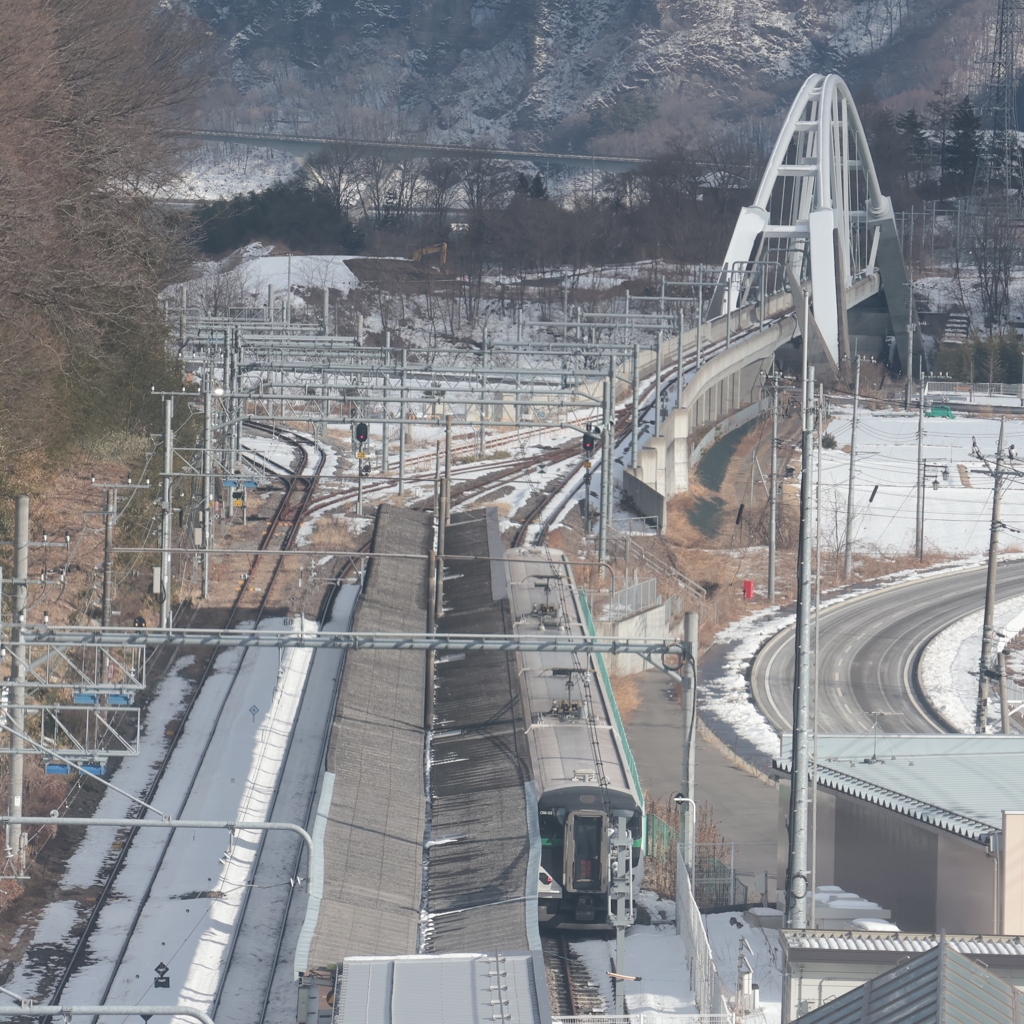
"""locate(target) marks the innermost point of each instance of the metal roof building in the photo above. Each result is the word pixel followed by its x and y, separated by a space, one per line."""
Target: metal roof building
pixel 939 986
pixel 914 822
pixel 451 988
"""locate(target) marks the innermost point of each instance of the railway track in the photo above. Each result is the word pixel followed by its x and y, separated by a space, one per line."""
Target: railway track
pixel 282 531
pixel 570 988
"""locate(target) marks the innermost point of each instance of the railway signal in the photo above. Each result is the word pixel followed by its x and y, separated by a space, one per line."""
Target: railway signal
pixel 589 440
pixel 362 433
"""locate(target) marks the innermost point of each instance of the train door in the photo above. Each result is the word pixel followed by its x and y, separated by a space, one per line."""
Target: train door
pixel 586 852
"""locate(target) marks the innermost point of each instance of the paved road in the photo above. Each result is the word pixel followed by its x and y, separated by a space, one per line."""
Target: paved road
pixel 870 647
pixel 745 808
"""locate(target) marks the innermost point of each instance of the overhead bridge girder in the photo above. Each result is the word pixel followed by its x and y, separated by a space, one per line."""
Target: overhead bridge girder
pixel 819 218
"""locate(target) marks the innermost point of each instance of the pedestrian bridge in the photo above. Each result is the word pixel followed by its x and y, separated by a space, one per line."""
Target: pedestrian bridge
pixel 816 254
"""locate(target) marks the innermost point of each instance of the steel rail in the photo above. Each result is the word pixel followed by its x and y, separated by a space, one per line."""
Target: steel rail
pixel 122 855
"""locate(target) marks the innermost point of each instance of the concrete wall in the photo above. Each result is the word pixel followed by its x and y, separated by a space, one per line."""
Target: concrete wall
pixel 644 499
pixel 729 380
pixel 651 622
pixel 929 878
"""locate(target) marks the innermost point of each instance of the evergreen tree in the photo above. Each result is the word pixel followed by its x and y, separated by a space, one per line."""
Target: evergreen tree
pixel 964 147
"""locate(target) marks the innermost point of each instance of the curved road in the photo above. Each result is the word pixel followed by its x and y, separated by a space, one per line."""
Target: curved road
pixel 869 649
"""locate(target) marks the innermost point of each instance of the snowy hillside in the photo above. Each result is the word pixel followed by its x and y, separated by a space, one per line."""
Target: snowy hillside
pixel 577 74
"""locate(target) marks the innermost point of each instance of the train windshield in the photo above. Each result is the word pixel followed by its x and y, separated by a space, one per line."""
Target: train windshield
pixel 586 865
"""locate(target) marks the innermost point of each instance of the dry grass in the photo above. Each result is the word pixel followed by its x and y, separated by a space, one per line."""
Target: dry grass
pixel 626 690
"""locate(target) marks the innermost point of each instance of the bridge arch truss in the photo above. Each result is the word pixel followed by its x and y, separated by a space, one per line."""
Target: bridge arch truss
pixel 820 223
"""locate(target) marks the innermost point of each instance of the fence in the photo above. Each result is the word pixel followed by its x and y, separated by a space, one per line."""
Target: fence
pixel 626 601
pixel 715 883
pixel 660 856
pixel 651 1018
pixel 958 389
pixel 708 990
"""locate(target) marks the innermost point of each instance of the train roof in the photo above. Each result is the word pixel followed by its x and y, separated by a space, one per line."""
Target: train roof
pixel 574 731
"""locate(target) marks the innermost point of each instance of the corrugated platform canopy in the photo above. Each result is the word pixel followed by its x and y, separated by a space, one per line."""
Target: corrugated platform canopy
pixel 448 988
pixel 938 987
pixel 958 783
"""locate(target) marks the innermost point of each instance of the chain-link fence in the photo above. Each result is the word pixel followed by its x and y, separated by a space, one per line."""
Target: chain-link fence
pixel 709 992
pixel 715 883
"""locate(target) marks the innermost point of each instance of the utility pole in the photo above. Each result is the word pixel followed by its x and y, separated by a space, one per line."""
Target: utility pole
pixel 987 630
pixel 607 462
pixel 108 573
pixel 773 495
pixel 679 362
pixel 206 521
pixel 919 531
pixel 688 806
pixel 848 554
pixel 401 423
pixel 16 760
pixel 635 446
pixel 797 892
pixel 657 389
pixel 1004 703
pixel 166 510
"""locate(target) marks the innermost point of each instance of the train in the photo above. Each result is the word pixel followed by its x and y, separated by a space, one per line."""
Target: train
pixel 590 803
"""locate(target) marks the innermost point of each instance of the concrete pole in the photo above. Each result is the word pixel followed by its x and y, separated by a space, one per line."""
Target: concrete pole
pixel 607 463
pixel 848 554
pixel 288 294
pixel 635 446
pixel 270 304
pixel 773 496
pixel 700 322
pixel 679 363
pixel 327 310
pixel 206 521
pixel 987 631
pixel 165 520
pixel 657 389
pixel 16 759
pixel 108 576
pixel 402 424
pixel 919 525
pixel 482 449
pixel 797 892
pixel 687 810
pixel 1004 706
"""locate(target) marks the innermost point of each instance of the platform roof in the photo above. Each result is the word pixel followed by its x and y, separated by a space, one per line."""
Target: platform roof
pixel 450 988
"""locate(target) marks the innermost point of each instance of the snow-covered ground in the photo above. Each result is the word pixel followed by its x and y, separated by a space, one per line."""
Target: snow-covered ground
pixel 958 494
pixel 949 664
pixel 218 171
pixel 654 952
pixel 191 910
pixel 658 956
pixel 763 951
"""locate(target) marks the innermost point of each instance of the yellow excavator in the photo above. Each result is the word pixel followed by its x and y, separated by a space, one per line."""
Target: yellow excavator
pixel 441 247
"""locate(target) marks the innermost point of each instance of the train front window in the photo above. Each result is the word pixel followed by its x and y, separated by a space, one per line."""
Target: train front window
pixel 586 865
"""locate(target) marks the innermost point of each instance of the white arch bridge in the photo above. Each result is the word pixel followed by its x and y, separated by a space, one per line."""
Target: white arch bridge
pixel 819 228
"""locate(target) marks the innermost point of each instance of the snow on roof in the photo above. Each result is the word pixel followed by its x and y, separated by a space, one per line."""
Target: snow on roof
pixel 978 780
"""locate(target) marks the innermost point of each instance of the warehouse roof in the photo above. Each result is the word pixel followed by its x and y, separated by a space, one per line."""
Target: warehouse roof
pixel 958 783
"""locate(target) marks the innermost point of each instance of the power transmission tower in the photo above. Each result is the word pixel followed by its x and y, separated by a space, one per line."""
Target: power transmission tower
pixel 1001 160
pixel 995 206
